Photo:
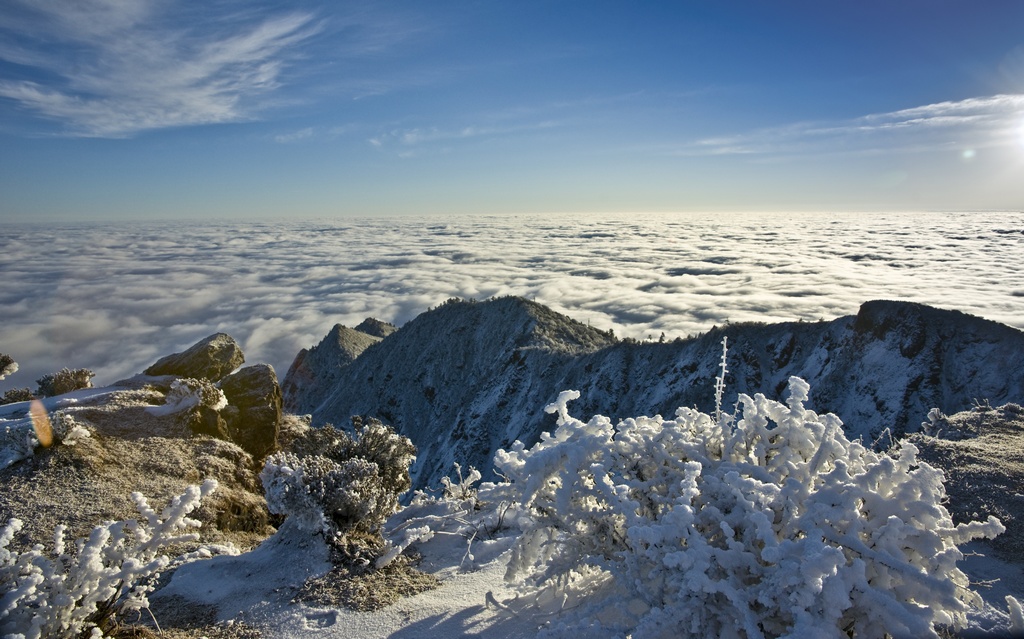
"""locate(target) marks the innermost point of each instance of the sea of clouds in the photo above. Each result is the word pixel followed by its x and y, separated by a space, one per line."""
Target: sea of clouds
pixel 116 297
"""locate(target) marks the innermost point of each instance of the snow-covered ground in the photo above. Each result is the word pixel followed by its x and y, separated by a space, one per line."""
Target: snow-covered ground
pixel 658 528
pixel 472 600
pixel 256 587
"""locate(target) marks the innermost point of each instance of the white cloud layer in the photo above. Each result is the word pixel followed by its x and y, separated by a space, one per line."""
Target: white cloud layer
pixel 116 298
pixel 111 68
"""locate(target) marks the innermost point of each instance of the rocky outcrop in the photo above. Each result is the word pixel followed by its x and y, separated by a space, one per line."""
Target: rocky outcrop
pixel 211 358
pixel 252 416
pixel 130 449
pixel 253 413
pixel 467 378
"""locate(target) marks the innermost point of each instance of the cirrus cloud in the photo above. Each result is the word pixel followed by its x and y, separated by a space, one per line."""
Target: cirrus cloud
pixel 985 121
pixel 113 68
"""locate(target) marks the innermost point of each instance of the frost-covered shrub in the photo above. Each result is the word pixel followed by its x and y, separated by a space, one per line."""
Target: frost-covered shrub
pixel 17 395
pixel 67 593
pixel 187 393
pixel 337 484
pixel 20 439
pixel 7 365
pixel 461 488
pixel 17 442
pixel 458 511
pixel 375 442
pixel 774 525
pixel 64 381
pixel 66 430
pixel 320 494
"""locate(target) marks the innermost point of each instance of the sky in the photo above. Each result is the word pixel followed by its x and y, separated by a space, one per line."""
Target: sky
pixel 153 109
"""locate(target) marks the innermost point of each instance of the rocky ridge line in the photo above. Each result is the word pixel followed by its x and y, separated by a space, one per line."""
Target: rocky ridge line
pixel 468 378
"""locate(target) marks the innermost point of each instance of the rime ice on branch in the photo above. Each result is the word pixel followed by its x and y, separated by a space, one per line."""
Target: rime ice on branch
pixel 69 593
pixel 773 525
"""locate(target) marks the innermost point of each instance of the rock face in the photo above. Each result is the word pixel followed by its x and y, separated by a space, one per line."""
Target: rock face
pixel 211 358
pixel 467 378
pixel 315 372
pixel 130 449
pixel 253 413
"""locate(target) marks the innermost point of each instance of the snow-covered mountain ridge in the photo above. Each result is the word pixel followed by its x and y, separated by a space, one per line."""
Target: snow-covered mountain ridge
pixel 467 378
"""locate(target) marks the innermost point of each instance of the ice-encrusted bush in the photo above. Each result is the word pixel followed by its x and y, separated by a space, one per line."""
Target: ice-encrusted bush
pixel 187 393
pixel 21 439
pixel 68 593
pixel 461 488
pixel 336 484
pixel 456 512
pixel 64 381
pixel 772 525
pixel 66 430
pixel 7 365
pixel 13 395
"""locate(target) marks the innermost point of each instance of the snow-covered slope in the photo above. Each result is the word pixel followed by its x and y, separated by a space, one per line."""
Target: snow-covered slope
pixel 467 378
pixel 314 372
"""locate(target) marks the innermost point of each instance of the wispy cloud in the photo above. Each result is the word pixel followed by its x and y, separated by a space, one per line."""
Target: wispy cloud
pixel 112 68
pixel 974 122
pixel 410 141
pixel 294 136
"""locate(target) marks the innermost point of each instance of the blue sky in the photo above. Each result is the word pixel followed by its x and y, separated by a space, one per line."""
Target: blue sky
pixel 138 109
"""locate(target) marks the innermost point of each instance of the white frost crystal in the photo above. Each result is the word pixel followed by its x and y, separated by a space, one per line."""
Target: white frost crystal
pixel 774 525
pixel 186 393
pixel 61 594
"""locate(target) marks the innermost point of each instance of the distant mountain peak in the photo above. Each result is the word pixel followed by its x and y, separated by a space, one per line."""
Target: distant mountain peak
pixel 376 328
pixel 314 371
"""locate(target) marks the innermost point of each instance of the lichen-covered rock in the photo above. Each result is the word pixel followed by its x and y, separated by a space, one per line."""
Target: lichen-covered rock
pixel 211 358
pixel 253 414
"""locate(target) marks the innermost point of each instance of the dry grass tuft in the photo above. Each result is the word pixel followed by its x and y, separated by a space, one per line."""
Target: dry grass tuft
pixel 355 583
pixel 984 471
pixel 366 589
pixel 41 423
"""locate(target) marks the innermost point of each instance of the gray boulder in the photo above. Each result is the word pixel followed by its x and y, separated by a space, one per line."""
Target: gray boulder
pixel 253 414
pixel 211 358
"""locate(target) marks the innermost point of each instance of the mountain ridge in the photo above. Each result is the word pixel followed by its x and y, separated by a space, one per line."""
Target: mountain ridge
pixel 466 378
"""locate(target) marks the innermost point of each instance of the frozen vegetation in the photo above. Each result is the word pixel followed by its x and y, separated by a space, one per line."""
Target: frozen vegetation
pixel 754 520
pixel 764 523
pixel 84 590
pixel 336 484
pixel 767 526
